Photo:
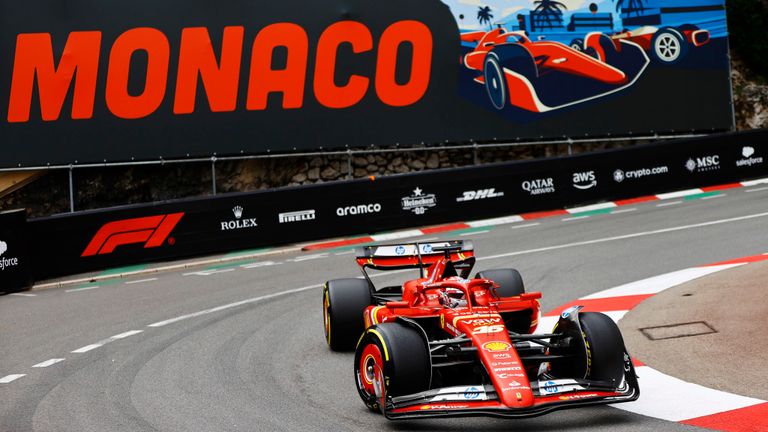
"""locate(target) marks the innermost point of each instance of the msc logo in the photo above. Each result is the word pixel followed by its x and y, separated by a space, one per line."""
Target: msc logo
pixel 150 230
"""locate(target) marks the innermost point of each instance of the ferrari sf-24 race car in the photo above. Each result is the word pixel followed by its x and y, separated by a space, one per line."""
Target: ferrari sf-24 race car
pixel 445 344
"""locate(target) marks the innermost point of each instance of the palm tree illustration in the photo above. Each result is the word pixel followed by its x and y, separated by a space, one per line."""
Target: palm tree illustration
pixel 484 15
pixel 548 13
pixel 633 7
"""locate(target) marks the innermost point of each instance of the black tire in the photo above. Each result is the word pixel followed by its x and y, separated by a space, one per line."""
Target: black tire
pixel 668 46
pixel 509 280
pixel 508 56
pixel 607 52
pixel 605 347
pixel 402 366
pixel 577 44
pixel 344 301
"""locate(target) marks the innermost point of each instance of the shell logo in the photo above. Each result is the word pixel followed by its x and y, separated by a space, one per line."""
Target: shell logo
pixel 496 346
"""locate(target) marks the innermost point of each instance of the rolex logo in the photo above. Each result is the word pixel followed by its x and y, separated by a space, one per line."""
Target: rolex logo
pixel 238 211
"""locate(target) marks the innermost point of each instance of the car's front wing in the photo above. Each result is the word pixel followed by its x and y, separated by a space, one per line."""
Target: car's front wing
pixel 482 401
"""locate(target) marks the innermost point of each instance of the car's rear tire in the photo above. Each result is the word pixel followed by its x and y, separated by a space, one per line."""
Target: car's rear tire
pixel 668 45
pixel 509 280
pixel 344 301
pixel 391 359
pixel 577 44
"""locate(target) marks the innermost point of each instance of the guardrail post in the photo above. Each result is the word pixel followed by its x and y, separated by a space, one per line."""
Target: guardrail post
pixel 570 150
pixel 349 164
pixel 213 174
pixel 474 154
pixel 71 192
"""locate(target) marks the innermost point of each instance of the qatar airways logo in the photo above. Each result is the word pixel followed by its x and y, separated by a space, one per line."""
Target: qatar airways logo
pixel 539 186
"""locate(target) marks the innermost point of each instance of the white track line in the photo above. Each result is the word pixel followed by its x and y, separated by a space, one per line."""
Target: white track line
pixel 125 335
pixel 713 196
pixel 624 211
pixel 141 281
pixel 574 218
pixel 10 378
pixel 473 233
pixel 754 182
pixel 756 189
pixel 208 272
pixel 87 348
pixel 260 264
pixel 23 295
pixel 673 399
pixel 396 235
pixel 671 203
pixel 82 289
pixel 657 284
pixel 526 225
pixel 232 305
pixel 679 194
pixel 495 221
pixel 626 236
pixel 593 207
pixel 47 363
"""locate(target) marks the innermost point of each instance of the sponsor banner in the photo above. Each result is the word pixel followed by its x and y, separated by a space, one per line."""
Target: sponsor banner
pixel 133 234
pixel 197 78
pixel 15 264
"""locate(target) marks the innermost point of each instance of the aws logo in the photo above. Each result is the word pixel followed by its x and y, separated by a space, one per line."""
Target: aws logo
pixel 36 73
pixel 584 180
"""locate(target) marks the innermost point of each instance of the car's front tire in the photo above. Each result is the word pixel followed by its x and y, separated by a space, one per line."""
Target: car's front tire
pixel 391 359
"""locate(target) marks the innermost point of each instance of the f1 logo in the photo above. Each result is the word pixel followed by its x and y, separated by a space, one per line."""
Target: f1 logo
pixel 150 230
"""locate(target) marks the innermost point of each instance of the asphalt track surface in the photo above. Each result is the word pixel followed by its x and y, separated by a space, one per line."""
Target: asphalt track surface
pixel 205 350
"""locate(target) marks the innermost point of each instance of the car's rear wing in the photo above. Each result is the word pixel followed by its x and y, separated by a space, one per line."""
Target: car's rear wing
pixel 414 255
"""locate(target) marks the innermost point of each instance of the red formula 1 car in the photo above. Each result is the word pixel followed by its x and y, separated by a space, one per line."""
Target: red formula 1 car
pixel 447 345
pixel 543 76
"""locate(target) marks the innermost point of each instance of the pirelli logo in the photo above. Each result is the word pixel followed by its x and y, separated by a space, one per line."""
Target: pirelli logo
pixel 153 231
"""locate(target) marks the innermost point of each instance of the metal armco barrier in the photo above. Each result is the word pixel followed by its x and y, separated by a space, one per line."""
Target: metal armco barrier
pixel 15 265
pixel 73 243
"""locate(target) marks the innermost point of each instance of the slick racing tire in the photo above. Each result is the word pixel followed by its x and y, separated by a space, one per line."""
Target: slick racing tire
pixel 391 359
pixel 577 44
pixel 602 48
pixel 605 347
pixel 509 280
pixel 601 355
pixel 344 301
pixel 668 45
pixel 513 57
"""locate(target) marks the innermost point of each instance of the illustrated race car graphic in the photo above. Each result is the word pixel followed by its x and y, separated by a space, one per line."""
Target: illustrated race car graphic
pixel 447 345
pixel 667 44
pixel 543 76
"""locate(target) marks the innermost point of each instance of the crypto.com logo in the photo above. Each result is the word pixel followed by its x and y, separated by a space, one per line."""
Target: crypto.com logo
pixel 150 230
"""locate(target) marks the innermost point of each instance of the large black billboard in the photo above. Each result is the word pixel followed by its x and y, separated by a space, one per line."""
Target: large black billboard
pixel 88 81
pixel 89 240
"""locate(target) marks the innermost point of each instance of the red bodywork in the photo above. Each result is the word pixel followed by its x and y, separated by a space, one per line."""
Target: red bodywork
pixel 547 55
pixel 481 321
